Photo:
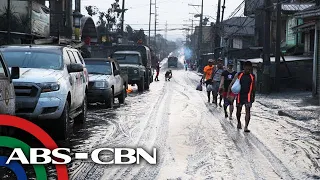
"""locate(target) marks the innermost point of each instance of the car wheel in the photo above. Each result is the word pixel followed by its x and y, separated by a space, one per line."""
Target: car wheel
pixel 123 95
pixel 63 129
pixel 110 101
pixel 83 116
pixel 141 85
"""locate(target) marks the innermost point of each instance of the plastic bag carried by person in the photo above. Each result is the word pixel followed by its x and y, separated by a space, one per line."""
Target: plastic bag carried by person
pixel 199 86
pixel 210 88
pixel 236 87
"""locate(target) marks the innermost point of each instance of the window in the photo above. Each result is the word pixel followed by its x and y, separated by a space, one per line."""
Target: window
pixel 127 58
pixel 98 67
pixel 33 59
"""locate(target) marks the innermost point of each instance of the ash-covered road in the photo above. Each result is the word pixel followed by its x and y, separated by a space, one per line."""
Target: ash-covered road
pixel 195 141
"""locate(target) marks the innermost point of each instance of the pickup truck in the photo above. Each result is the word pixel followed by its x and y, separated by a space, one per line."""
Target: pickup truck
pixel 7 94
pixel 106 81
pixel 52 86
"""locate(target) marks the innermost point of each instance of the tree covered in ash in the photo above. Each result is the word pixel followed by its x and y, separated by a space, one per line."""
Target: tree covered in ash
pixel 107 20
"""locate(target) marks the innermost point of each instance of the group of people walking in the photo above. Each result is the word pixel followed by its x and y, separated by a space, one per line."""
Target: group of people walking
pixel 219 81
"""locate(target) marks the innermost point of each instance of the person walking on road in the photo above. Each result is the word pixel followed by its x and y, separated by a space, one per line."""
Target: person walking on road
pixel 226 79
pixel 186 66
pixel 157 71
pixel 207 76
pixel 216 79
pixel 246 95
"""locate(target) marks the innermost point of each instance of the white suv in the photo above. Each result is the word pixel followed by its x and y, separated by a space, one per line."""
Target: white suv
pixel 52 85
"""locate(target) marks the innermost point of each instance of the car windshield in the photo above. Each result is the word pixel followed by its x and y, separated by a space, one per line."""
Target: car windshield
pixel 98 67
pixel 127 58
pixel 32 59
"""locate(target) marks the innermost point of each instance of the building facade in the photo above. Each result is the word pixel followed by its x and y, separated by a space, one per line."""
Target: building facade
pixel 311 27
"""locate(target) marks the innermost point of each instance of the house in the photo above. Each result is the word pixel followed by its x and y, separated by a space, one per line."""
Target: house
pixel 292 42
pixel 311 29
pixel 238 32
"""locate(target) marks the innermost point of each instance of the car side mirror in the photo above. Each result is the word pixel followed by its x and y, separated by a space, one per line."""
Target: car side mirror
pixel 15 73
pixel 116 72
pixel 74 67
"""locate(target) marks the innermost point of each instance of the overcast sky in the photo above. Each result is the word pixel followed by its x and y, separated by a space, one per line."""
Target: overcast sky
pixel 175 12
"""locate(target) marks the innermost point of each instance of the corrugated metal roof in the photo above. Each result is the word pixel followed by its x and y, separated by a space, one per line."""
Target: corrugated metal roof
pixel 296 7
pixel 239 26
pixel 272 59
pixel 309 12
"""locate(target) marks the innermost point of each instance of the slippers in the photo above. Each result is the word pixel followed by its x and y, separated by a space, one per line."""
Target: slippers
pixel 247 130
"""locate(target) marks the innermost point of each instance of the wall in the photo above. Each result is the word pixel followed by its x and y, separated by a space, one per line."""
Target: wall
pixel 318 61
pixel 290 35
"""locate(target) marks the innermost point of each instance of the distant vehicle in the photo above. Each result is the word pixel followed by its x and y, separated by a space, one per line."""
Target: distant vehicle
pixel 7 94
pixel 52 86
pixel 173 62
pixel 135 60
pixel 106 81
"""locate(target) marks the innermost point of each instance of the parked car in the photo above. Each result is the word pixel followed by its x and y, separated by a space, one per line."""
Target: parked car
pixel 52 86
pixel 173 62
pixel 7 95
pixel 135 60
pixel 106 81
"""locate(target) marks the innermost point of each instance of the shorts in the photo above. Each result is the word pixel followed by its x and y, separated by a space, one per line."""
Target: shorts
pixel 247 104
pixel 216 86
pixel 225 94
pixel 243 101
pixel 209 81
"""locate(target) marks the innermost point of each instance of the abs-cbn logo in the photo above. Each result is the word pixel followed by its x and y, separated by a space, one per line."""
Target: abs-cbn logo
pixel 121 156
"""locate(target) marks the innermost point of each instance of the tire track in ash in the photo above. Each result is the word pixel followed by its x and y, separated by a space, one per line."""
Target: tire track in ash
pixel 147 138
pixel 162 119
pixel 248 146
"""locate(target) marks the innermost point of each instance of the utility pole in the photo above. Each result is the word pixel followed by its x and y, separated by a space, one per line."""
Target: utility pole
pixel 223 7
pixel 166 31
pixel 155 27
pixel 122 18
pixel 149 43
pixel 9 21
pixel 225 48
pixel 278 45
pixel 200 30
pixel 217 30
pixel 266 48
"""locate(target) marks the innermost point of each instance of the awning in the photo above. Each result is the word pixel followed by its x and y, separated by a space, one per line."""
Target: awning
pixel 287 59
pixel 313 11
pixel 304 27
pixel 293 7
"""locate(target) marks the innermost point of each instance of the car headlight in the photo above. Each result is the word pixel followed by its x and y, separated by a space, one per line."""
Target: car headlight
pixel 100 84
pixel 135 71
pixel 49 87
